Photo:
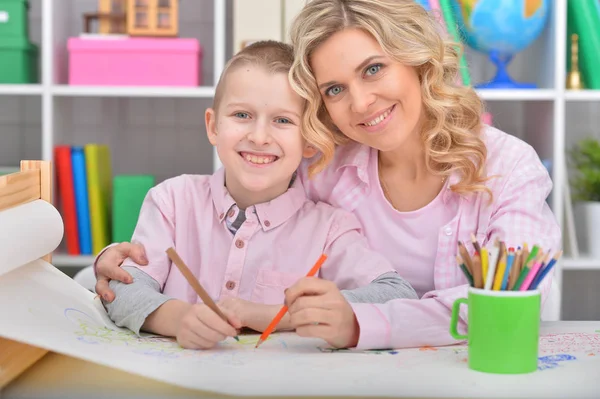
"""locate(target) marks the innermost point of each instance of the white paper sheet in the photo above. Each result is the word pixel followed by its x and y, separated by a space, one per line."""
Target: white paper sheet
pixel 28 232
pixel 41 306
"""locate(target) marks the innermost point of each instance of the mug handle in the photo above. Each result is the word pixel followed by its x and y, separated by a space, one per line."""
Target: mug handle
pixel 454 319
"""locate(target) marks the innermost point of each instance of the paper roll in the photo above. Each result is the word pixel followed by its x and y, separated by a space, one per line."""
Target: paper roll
pixel 28 232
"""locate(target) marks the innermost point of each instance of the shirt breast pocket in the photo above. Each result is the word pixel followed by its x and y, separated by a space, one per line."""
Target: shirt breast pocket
pixel 270 285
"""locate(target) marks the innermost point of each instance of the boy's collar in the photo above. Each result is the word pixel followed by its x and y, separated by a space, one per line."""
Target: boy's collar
pixel 270 214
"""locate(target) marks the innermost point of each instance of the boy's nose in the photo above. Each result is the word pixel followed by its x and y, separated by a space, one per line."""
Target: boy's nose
pixel 260 135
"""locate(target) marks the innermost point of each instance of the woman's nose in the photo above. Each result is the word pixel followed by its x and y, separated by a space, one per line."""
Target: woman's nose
pixel 361 99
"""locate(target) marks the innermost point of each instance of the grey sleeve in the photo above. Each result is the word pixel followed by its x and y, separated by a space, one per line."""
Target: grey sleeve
pixel 384 288
pixel 135 301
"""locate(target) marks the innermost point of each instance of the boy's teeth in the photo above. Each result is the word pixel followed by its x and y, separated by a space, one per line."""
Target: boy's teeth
pixel 258 159
pixel 378 119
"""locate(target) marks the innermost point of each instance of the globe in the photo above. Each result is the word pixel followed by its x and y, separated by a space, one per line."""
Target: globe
pixel 501 29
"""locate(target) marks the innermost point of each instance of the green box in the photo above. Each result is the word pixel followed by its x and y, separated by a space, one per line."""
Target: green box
pixel 14 19
pixel 20 61
pixel 129 192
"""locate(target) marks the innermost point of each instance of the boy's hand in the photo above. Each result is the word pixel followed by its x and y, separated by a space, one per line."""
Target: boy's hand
pixel 256 316
pixel 318 309
pixel 201 328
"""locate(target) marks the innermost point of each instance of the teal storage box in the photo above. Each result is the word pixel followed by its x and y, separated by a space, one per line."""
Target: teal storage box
pixel 20 61
pixel 129 192
pixel 14 21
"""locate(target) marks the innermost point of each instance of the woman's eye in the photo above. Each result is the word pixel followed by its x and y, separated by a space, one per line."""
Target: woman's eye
pixel 283 120
pixel 334 91
pixel 373 69
pixel 242 115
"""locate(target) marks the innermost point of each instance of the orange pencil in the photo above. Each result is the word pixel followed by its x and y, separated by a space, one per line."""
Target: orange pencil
pixel 284 308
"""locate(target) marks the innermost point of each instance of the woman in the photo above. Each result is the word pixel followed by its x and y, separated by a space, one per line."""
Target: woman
pixel 403 147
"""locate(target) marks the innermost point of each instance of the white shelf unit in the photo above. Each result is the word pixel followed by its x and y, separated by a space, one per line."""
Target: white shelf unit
pixel 161 130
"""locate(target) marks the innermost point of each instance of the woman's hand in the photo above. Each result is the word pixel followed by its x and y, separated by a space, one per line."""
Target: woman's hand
pixel 109 263
pixel 201 328
pixel 318 309
pixel 255 316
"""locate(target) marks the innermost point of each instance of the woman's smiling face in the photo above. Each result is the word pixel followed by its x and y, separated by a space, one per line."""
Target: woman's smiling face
pixel 370 97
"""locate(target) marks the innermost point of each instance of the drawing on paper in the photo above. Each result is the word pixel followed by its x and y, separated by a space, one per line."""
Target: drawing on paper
pixel 553 361
pixel 585 343
pixel 88 331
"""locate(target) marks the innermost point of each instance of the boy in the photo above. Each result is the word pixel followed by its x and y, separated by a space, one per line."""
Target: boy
pixel 248 231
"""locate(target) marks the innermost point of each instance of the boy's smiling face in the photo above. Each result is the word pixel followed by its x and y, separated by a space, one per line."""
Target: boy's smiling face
pixel 256 129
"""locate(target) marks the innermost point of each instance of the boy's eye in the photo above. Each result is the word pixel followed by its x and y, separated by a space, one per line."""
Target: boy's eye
pixel 373 69
pixel 333 91
pixel 283 120
pixel 242 115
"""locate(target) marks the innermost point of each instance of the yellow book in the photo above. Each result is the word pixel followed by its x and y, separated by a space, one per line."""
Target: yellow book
pixel 99 172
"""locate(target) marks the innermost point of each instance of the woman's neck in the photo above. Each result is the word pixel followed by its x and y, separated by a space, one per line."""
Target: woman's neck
pixel 407 161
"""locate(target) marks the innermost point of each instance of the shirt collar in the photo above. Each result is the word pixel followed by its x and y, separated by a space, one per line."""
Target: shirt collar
pixel 222 201
pixel 355 155
pixel 270 214
pixel 358 156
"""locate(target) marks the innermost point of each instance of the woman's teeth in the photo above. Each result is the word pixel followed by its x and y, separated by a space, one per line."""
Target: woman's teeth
pixel 379 118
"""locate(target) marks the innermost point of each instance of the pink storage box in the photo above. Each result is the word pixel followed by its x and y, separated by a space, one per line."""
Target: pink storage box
pixel 135 62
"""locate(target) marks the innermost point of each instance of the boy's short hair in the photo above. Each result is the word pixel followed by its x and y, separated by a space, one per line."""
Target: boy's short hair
pixel 274 56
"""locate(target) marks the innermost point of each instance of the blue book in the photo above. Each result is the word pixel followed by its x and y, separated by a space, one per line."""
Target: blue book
pixel 81 200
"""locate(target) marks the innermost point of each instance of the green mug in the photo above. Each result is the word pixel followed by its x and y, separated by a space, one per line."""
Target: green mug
pixel 502 331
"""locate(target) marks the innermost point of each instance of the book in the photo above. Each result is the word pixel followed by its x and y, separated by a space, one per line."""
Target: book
pixel 99 188
pixel 66 196
pixel 81 200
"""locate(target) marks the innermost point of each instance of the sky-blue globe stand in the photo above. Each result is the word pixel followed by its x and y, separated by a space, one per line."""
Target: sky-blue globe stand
pixel 502 80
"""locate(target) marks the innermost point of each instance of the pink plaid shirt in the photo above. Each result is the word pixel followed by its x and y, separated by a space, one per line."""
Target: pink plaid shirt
pixel 519 214
pixel 274 247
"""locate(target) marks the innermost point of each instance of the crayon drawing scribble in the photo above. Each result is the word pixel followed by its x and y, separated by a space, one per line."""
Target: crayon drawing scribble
pixel 553 344
pixel 553 361
pixel 90 332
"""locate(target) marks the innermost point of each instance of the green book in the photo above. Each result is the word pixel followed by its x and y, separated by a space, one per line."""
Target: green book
pixel 583 18
pixel 129 192
pixel 448 14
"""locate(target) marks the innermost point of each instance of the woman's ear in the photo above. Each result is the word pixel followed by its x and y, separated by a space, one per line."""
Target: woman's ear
pixel 210 119
pixel 309 151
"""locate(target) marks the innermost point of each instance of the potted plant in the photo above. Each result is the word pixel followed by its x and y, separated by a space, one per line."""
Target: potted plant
pixel 585 161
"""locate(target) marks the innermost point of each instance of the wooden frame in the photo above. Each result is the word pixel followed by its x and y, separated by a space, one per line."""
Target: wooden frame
pixel 33 182
pixel 152 10
pixel 110 20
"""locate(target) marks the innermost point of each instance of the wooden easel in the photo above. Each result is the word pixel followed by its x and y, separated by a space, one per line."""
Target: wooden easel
pixel 33 182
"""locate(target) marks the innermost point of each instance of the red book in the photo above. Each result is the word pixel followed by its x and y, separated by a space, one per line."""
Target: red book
pixel 66 196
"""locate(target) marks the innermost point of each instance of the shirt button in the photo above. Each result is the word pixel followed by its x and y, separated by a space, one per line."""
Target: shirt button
pixel 239 244
pixel 231 213
pixel 267 223
pixel 448 231
pixel 230 285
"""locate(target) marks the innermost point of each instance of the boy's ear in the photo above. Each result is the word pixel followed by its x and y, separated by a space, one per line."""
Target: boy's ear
pixel 210 119
pixel 309 151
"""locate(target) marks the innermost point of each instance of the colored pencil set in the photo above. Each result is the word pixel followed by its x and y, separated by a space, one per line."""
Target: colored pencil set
pixel 505 269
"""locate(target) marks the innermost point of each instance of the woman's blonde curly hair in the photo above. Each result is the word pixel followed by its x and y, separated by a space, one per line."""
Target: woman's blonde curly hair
pixel 408 34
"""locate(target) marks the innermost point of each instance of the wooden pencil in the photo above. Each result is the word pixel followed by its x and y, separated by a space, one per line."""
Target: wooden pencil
pixel 475 243
pixel 463 267
pixel 464 254
pixel 191 279
pixel 515 270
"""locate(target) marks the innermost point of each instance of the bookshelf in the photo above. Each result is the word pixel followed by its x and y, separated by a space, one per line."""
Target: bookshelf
pixel 161 130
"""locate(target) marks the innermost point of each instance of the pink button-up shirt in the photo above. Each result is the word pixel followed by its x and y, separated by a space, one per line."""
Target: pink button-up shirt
pixel 276 245
pixel 519 214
